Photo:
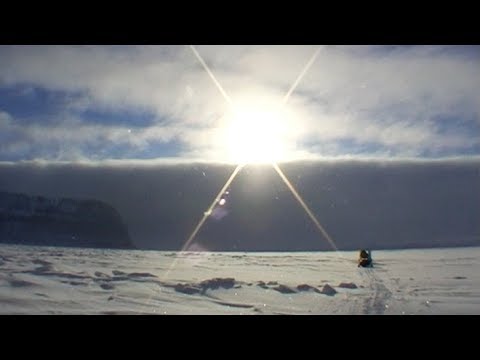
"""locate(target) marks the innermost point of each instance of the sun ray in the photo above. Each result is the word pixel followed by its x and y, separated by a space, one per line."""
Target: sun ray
pixel 207 69
pixel 301 75
pixel 305 207
pixel 206 214
pixel 276 167
pixel 238 168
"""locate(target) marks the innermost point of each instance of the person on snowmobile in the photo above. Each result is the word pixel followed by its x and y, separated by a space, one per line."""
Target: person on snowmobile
pixel 365 258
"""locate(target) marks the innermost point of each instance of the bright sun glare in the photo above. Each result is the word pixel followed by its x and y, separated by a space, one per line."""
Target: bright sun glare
pixel 257 133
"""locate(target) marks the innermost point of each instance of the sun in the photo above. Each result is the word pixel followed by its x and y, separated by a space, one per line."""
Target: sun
pixel 256 133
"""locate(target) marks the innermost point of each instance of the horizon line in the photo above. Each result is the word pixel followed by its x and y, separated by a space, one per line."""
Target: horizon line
pixel 166 161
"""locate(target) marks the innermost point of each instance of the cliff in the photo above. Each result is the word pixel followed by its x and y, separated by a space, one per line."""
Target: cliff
pixel 36 220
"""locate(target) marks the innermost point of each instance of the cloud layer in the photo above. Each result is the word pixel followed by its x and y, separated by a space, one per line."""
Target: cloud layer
pixel 373 204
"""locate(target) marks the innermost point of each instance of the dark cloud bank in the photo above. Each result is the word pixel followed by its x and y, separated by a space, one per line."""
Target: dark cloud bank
pixel 380 205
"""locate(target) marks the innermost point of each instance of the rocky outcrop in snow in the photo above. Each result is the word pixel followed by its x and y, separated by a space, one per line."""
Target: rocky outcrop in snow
pixel 37 220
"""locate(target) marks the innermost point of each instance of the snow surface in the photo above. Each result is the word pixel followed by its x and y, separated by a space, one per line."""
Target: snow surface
pixel 54 280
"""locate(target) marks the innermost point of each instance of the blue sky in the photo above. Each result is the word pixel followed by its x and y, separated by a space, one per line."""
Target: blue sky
pixel 93 103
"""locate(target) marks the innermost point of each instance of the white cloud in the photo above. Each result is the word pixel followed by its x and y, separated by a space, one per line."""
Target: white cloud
pixel 391 97
pixel 5 119
pixel 71 139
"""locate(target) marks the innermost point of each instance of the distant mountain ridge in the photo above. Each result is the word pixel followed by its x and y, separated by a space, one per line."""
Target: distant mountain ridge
pixel 38 220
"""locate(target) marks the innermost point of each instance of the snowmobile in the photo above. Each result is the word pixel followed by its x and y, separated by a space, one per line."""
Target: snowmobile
pixel 365 258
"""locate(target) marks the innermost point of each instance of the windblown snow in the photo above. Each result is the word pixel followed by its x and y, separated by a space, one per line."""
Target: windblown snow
pixel 54 280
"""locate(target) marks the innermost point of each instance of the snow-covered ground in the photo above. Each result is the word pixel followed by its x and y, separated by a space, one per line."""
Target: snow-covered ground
pixel 46 280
